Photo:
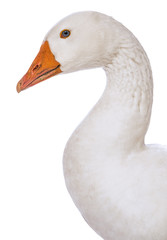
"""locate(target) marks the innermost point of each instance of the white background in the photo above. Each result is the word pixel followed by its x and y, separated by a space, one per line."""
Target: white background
pixel 35 124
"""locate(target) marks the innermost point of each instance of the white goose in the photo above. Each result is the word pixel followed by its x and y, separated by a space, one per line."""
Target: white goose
pixel 118 183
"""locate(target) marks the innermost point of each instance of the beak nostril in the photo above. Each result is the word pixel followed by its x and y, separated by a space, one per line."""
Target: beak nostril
pixel 36 67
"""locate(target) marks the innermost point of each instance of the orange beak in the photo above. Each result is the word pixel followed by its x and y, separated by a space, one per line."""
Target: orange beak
pixel 43 67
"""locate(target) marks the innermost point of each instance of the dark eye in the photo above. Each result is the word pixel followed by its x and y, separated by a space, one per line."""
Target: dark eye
pixel 65 33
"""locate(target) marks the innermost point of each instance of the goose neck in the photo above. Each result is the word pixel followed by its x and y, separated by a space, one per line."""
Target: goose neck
pixel 127 99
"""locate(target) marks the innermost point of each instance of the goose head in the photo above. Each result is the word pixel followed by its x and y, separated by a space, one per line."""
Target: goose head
pixel 80 41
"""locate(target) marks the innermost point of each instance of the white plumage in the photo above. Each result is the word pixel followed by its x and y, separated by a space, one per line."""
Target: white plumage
pixel 118 183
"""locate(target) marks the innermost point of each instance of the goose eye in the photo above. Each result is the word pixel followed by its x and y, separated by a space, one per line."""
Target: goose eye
pixel 65 33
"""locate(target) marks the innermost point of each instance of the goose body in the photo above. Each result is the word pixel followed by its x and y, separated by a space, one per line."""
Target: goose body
pixel 118 183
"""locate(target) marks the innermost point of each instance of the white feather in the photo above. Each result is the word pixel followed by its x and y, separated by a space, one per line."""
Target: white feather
pixel 117 182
